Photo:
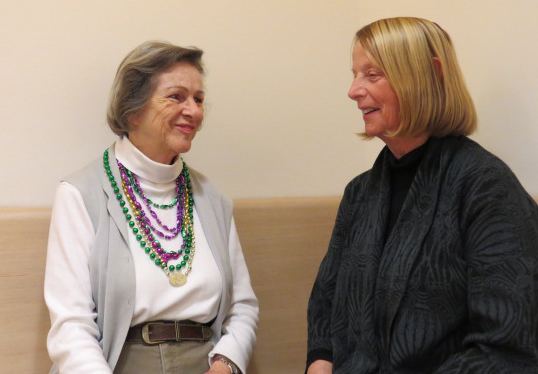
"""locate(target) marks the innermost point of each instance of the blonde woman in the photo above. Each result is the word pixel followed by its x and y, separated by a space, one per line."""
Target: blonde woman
pixel 432 266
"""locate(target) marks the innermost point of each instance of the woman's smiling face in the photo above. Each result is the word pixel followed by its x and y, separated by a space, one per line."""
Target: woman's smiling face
pixel 168 123
pixel 374 95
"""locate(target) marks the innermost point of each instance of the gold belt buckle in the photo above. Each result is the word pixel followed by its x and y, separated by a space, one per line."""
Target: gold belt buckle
pixel 146 333
pixel 178 329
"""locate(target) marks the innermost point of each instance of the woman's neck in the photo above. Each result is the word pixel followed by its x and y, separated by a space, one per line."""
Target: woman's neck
pixel 400 146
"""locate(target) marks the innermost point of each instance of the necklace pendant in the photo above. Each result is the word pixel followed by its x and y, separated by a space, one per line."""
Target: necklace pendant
pixel 177 279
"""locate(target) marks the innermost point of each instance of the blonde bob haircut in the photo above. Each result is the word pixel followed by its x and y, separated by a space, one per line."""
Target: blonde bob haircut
pixel 420 63
pixel 137 75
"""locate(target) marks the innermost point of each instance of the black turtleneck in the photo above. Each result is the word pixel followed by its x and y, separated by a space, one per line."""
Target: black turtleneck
pixel 402 173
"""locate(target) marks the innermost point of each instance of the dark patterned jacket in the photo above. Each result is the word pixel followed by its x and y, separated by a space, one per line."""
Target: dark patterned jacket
pixel 454 289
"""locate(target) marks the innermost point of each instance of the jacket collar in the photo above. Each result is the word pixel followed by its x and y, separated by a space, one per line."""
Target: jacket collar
pixel 406 240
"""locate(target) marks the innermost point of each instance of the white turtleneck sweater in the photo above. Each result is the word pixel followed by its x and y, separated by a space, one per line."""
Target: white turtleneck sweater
pixel 75 349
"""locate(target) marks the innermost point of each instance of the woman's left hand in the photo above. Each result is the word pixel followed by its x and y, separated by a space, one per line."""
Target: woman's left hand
pixel 218 367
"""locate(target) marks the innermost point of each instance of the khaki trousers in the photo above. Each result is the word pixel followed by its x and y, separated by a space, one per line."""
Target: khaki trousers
pixel 164 358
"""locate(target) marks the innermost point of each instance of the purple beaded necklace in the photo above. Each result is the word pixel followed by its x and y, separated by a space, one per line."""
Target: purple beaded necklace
pixel 133 184
pixel 145 231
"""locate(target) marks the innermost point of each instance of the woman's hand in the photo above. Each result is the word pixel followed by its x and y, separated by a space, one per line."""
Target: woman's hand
pixel 320 367
pixel 218 367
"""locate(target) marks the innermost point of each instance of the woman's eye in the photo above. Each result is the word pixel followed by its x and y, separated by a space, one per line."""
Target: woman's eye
pixel 374 78
pixel 199 100
pixel 176 97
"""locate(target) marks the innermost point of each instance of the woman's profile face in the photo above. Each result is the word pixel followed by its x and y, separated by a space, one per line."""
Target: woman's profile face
pixel 168 123
pixel 374 95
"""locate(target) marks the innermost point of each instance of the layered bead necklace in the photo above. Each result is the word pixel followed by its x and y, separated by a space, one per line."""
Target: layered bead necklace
pixel 146 232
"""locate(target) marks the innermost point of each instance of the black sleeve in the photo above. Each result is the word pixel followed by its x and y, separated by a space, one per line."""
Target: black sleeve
pixel 500 226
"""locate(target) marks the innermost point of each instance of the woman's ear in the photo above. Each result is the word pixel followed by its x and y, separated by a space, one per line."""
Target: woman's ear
pixel 133 119
pixel 438 66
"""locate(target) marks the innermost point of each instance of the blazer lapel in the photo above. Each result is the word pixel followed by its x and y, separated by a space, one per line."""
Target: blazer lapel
pixel 360 262
pixel 406 240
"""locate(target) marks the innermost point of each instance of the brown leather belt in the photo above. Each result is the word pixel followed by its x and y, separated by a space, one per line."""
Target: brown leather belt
pixel 157 332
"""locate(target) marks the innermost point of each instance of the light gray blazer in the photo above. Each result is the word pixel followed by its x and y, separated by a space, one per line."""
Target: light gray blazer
pixel 111 264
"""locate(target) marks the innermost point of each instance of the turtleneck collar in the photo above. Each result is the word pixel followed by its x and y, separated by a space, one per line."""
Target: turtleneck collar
pixel 143 166
pixel 411 159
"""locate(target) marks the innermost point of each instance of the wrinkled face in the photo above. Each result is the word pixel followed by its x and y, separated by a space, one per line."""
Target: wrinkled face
pixel 168 123
pixel 374 95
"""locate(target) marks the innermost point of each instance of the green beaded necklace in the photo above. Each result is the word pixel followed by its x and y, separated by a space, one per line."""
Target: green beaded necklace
pixel 143 231
pixel 140 193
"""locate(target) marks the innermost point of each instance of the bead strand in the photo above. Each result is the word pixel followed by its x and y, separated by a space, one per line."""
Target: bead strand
pixel 152 248
pixel 174 231
pixel 141 225
pixel 138 189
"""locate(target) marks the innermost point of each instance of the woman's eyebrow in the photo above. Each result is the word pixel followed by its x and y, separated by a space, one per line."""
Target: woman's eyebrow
pixel 183 88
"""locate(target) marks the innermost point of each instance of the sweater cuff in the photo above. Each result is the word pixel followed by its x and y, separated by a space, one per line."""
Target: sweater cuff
pixel 318 354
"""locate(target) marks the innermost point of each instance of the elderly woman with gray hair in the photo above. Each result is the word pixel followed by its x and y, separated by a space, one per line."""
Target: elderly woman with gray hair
pixel 145 273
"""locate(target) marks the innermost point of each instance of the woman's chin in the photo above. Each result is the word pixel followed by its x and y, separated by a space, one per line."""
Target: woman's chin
pixel 372 130
pixel 181 146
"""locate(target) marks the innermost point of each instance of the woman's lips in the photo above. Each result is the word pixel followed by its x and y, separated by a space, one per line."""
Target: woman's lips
pixel 186 128
pixel 369 110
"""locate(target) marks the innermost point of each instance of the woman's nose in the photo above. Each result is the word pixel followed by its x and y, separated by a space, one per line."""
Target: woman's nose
pixel 356 90
pixel 353 92
pixel 191 107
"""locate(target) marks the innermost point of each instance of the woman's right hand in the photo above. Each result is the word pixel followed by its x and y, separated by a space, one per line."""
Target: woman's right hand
pixel 320 367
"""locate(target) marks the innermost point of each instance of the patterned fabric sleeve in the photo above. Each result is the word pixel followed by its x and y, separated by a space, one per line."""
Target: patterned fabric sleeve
pixel 500 229
pixel 320 303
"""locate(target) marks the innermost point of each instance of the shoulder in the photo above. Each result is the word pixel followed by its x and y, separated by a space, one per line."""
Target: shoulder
pixel 469 156
pixel 482 180
pixel 359 180
pixel 368 179
pixel 91 183
pixel 355 188
pixel 89 174
pixel 353 197
pixel 479 167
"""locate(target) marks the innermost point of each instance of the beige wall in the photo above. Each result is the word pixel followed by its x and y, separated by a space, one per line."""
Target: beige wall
pixel 279 122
